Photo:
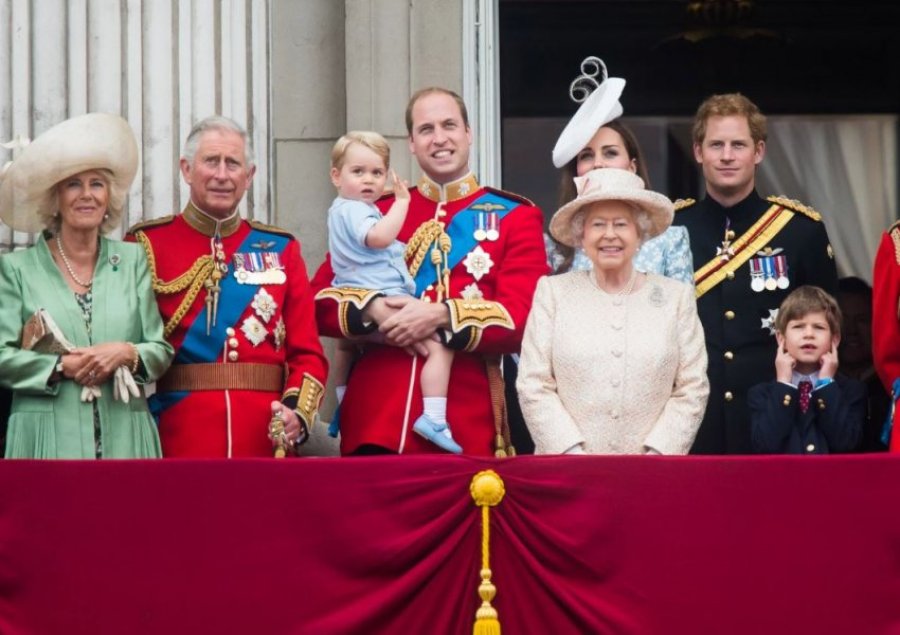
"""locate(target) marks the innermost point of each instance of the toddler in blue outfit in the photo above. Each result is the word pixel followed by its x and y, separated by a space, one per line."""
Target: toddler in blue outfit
pixel 366 254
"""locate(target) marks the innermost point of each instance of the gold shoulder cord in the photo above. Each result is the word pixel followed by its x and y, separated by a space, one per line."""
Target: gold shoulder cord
pixel 192 280
pixel 430 239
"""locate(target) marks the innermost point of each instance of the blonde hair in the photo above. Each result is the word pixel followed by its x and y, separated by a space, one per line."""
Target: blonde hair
pixel 371 140
pixel 51 219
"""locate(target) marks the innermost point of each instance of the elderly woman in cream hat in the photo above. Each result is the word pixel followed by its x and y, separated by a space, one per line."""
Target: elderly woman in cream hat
pixel 76 391
pixel 613 360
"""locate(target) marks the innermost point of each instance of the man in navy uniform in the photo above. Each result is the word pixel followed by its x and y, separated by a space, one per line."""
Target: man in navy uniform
pixel 749 254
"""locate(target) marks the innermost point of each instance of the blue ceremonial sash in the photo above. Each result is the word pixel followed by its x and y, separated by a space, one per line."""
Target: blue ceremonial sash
pixel 234 298
pixel 461 233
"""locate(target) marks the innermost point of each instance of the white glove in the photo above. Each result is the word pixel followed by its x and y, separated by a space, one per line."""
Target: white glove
pixel 124 386
pixel 89 393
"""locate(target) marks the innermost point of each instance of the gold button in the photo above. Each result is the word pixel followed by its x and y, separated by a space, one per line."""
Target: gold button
pixel 810 448
pixel 232 342
pixel 729 315
pixel 229 332
pixel 787 400
pixel 729 275
pixel 728 395
pixel 233 356
pixel 729 355
pixel 821 405
pixel 729 235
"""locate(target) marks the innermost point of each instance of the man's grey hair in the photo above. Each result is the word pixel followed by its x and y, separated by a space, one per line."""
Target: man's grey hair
pixel 216 122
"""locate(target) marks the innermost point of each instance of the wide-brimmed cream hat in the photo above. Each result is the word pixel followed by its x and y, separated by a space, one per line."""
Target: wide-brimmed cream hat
pixel 87 142
pixel 612 184
pixel 599 105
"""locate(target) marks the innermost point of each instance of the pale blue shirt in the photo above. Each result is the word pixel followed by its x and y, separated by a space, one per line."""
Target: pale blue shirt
pixel 356 265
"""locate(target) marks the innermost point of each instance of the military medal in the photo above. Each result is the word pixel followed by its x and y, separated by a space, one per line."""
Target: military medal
pixel 279 334
pixel 781 270
pixel 493 226
pixel 472 292
pixel 478 262
pixel 726 251
pixel 769 267
pixel 259 267
pixel 480 232
pixel 769 322
pixel 756 275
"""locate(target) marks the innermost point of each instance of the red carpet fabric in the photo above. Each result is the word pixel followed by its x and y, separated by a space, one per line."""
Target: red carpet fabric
pixel 393 545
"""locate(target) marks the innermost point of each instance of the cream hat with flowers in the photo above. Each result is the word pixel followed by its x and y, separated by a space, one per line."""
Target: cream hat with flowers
pixel 599 105
pixel 86 142
pixel 612 184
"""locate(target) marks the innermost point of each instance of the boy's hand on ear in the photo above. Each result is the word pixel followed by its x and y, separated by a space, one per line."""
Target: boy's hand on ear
pixel 784 363
pixel 829 363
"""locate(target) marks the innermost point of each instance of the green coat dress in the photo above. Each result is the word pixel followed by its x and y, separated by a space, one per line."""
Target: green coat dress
pixel 49 420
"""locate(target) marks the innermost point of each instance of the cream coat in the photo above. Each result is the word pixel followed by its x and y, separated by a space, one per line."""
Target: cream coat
pixel 619 375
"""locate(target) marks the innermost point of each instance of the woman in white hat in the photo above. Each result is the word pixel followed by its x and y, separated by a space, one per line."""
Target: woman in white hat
pixel 613 359
pixel 71 184
pixel 594 139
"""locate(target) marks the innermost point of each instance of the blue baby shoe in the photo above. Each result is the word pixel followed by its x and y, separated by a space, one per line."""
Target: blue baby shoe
pixel 437 433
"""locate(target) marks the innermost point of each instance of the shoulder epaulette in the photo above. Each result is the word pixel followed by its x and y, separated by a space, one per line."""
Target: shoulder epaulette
pixel 153 222
pixel 272 229
pixel 683 203
pixel 510 195
pixel 796 206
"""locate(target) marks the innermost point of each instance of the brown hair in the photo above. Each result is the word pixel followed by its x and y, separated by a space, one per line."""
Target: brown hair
pixel 422 92
pixel 805 300
pixel 567 182
pixel 372 140
pixel 728 105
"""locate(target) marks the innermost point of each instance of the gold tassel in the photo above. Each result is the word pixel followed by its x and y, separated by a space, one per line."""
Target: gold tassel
pixel 487 491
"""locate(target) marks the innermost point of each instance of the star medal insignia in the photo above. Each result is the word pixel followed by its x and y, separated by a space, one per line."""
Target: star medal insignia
pixel 264 305
pixel 478 263
pixel 254 330
pixel 726 251
pixel 769 322
pixel 472 292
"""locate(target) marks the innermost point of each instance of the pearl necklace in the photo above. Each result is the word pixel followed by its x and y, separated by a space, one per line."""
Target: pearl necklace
pixel 79 281
pixel 626 290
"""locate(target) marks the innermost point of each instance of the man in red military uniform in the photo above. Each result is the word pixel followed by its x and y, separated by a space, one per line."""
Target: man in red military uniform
pixel 886 315
pixel 237 306
pixel 475 254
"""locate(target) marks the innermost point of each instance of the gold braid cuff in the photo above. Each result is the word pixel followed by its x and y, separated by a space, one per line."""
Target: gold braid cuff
pixel 192 280
pixel 309 397
pixel 346 296
pixel 751 241
pixel 478 314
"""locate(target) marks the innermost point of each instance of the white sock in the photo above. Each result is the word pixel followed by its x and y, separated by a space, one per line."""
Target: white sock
pixel 339 392
pixel 436 409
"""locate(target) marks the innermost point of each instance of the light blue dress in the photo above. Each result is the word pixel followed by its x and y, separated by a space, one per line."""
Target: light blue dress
pixel 668 254
pixel 356 265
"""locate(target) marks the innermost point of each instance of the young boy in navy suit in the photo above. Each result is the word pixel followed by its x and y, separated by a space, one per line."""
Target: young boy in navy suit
pixel 808 409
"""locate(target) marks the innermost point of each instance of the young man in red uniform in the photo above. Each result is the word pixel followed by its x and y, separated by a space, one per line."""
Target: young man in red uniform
pixel 237 306
pixel 476 254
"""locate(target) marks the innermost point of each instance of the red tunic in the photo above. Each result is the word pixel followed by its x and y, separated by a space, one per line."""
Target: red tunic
pixel 886 314
pixel 383 397
pixel 220 423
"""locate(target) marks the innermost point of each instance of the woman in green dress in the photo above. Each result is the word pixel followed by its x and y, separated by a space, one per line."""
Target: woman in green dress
pixel 71 183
